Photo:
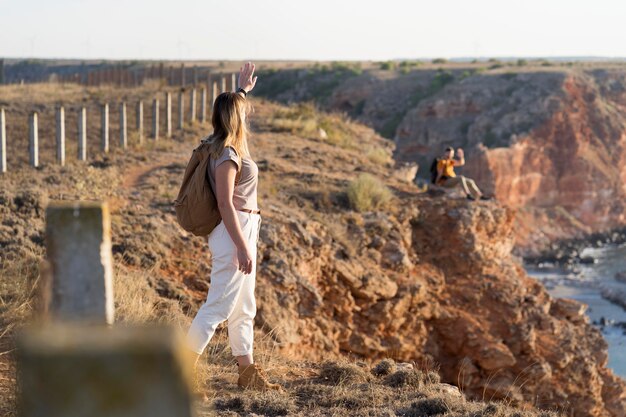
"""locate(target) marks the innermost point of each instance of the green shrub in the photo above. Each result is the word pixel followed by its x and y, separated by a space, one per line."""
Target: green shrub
pixel 439 61
pixel 387 65
pixel 368 193
pixel 378 156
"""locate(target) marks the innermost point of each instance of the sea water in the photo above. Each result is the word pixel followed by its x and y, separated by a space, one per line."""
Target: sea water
pixel 584 283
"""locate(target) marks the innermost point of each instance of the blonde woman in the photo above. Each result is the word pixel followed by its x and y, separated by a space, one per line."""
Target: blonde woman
pixel 233 242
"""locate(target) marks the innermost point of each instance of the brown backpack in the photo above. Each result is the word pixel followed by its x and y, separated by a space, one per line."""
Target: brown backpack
pixel 196 205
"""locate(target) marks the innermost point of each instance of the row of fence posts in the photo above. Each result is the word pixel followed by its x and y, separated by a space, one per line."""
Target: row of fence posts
pixel 127 77
pixel 104 134
pixel 72 360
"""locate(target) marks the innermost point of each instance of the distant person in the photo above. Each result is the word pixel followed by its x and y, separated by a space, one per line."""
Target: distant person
pixel 443 174
pixel 233 242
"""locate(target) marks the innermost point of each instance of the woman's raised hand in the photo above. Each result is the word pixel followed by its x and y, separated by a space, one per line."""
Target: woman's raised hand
pixel 246 74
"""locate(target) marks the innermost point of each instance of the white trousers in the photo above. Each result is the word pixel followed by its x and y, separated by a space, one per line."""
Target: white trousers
pixel 231 293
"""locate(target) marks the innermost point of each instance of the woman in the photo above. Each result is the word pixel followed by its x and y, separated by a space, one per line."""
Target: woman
pixel 233 241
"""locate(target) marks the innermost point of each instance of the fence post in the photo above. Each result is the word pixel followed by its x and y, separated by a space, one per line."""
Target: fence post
pixel 215 93
pixel 155 119
pixel 82 134
pixel 192 110
pixel 139 119
pixel 203 105
pixel 168 114
pixel 78 247
pixel 60 119
pixel 224 84
pixel 181 109
pixel 233 82
pixel 34 140
pixel 105 127
pixel 195 75
pixel 1 71
pixel 123 129
pixel 182 75
pixel 3 142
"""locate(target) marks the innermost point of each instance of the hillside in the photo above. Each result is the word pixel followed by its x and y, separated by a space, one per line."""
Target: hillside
pixel 421 279
pixel 547 139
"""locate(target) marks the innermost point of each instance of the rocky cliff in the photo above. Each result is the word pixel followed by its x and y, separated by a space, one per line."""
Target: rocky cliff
pixel 548 140
pixel 425 279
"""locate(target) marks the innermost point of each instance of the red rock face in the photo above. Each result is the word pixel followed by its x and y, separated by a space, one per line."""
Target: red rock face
pixel 435 283
pixel 567 157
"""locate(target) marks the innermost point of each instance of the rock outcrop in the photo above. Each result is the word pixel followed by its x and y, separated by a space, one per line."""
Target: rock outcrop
pixel 547 140
pixel 435 284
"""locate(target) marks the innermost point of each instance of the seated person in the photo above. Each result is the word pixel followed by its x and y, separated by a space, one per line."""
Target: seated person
pixel 448 179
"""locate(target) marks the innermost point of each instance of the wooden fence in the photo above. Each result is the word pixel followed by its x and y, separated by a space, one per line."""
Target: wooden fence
pixel 196 114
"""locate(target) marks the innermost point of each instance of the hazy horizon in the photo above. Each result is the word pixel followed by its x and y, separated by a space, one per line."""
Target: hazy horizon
pixel 326 30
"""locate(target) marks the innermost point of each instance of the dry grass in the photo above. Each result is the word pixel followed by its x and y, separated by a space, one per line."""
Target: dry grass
pixel 368 193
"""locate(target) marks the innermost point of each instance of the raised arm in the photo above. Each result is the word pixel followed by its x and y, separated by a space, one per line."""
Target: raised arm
pixel 247 79
pixel 461 158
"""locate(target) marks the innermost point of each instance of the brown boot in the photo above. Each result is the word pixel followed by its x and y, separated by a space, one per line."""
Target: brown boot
pixel 254 377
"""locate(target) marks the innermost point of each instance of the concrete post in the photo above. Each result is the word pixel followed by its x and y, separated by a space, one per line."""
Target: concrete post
pixel 224 84
pixel 233 82
pixel 104 126
pixel 155 119
pixel 168 115
pixel 72 370
pixel 1 71
pixel 123 127
pixel 3 142
pixel 60 119
pixel 203 105
pixel 33 140
pixel 139 119
pixel 78 247
pixel 182 75
pixel 181 109
pixel 195 75
pixel 215 93
pixel 192 110
pixel 82 134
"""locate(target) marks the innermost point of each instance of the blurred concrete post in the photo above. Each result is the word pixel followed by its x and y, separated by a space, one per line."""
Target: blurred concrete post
pixel 203 105
pixel 168 114
pixel 60 136
pixel 104 124
pixel 73 370
pixel 1 71
pixel 139 120
pixel 192 109
pixel 123 126
pixel 155 119
pixel 195 75
pixel 78 248
pixel 224 84
pixel 181 109
pixel 82 134
pixel 182 75
pixel 33 134
pixel 215 93
pixel 3 142
pixel 233 82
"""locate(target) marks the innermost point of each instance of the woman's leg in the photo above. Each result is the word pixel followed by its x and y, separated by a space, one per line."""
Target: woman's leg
pixel 226 285
pixel 241 321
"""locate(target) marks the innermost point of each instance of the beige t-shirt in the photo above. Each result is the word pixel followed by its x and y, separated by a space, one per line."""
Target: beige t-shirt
pixel 245 192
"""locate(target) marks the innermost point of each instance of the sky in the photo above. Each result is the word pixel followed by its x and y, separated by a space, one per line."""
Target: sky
pixel 314 30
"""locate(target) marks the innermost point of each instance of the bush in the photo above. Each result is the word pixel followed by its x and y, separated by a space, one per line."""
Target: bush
pixel 439 61
pixel 384 367
pixel 378 156
pixel 342 373
pixel 405 378
pixel 367 193
pixel 387 65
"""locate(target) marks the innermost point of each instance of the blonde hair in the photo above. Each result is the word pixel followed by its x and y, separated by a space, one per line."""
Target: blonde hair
pixel 229 128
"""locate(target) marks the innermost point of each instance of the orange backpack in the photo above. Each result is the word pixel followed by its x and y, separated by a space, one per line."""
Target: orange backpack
pixel 196 205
